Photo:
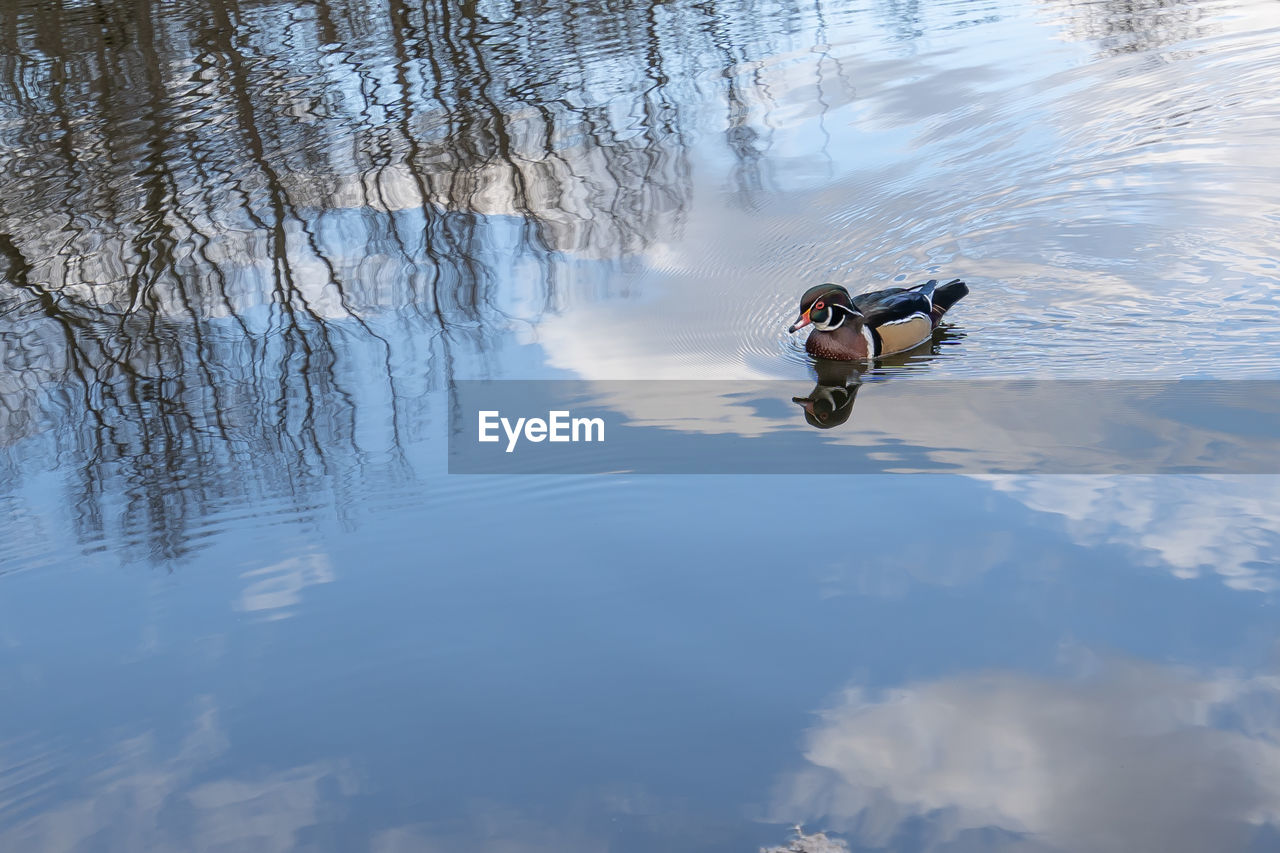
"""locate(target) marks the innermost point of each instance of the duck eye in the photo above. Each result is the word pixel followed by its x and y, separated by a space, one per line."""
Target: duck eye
pixel 818 306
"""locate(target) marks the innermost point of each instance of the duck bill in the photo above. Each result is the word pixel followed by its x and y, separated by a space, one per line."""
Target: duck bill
pixel 801 323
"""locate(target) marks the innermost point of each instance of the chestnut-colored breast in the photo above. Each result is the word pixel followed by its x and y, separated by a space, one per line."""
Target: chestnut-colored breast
pixel 842 344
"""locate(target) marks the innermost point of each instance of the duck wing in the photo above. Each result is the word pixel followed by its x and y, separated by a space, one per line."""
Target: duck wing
pixel 864 302
pixel 899 321
pixel 892 306
pixel 940 297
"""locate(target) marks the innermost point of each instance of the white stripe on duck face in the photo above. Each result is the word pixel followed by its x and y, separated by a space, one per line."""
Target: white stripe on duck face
pixel 839 314
pixel 872 352
pixel 831 327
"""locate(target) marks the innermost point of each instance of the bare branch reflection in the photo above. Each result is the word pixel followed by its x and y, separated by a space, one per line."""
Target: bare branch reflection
pixel 217 220
pixel 1133 26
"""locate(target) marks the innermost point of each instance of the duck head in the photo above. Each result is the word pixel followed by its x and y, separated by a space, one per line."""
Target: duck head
pixel 827 307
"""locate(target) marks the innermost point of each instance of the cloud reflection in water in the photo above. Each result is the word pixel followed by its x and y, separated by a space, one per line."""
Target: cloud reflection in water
pixel 168 803
pixel 1193 526
pixel 1134 756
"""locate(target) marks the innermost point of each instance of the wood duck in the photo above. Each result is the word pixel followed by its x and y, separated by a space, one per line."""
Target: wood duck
pixel 873 324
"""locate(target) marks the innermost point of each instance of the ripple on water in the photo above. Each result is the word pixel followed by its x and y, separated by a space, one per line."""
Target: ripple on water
pixel 1086 202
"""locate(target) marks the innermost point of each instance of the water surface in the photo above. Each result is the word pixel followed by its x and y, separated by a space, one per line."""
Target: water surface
pixel 249 249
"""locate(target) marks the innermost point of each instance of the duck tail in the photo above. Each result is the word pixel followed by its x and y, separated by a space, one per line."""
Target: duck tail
pixel 946 295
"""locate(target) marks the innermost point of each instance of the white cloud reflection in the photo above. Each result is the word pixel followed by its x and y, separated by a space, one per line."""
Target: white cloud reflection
pixel 279 586
pixel 1135 757
pixel 150 799
pixel 1193 526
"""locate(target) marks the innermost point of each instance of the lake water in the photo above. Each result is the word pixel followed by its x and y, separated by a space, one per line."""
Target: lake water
pixel 250 250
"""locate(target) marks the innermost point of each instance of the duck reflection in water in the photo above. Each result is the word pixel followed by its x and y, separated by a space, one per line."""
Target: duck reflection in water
pixel 830 402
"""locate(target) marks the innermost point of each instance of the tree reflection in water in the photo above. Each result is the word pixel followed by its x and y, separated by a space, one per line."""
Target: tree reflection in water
pixel 223 223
